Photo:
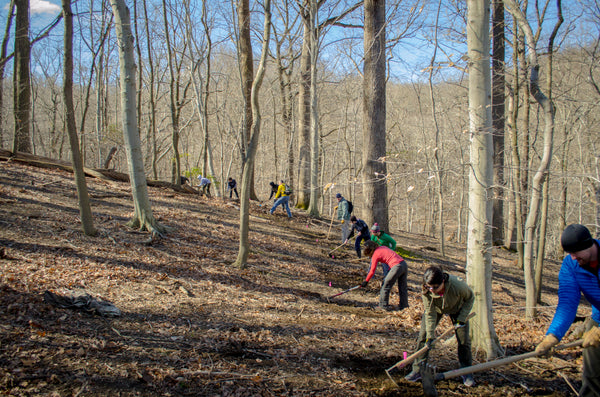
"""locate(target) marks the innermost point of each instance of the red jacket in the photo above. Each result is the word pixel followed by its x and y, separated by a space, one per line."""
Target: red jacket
pixel 384 255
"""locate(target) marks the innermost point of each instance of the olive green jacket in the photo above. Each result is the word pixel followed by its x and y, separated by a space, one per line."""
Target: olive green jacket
pixel 457 301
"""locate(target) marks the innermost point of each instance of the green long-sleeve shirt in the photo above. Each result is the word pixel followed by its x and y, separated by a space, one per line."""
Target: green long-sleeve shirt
pixel 384 240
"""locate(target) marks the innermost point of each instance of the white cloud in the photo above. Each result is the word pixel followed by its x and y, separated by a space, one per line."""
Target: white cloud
pixel 43 6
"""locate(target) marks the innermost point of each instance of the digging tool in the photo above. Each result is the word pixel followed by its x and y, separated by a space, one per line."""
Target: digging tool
pixel 499 362
pixel 330 254
pixel 421 351
pixel 331 224
pixel 343 292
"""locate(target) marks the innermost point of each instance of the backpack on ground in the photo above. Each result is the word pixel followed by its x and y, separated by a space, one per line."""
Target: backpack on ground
pixel 350 206
pixel 288 190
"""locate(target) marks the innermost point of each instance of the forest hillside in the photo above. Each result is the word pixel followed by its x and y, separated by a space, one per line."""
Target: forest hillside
pixel 192 324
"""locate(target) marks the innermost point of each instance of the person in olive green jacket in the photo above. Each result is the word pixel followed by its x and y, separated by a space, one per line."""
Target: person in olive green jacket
pixel 445 294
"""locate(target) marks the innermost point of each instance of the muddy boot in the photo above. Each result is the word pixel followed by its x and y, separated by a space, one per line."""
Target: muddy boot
pixel 428 380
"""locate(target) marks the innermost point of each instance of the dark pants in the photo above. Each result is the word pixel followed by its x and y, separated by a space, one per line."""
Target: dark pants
pixel 397 274
pixel 590 385
pixel 357 242
pixel 231 193
pixel 462 337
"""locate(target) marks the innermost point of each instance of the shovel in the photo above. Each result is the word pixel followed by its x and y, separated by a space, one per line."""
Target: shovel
pixel 331 224
pixel 330 254
pixel 343 292
pixel 421 351
pixel 501 361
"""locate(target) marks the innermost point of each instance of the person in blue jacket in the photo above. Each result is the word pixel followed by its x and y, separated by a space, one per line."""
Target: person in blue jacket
pixel 363 233
pixel 578 275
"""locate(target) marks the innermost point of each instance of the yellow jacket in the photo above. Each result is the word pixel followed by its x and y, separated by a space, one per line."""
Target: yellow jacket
pixel 280 191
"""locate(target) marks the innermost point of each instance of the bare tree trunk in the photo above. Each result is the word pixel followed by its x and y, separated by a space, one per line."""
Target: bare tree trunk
pixel 85 210
pixel 374 111
pixel 152 99
pixel 247 77
pixel 313 195
pixel 173 90
pixel 547 107
pixel 302 191
pixel 3 59
pixel 498 88
pixel 438 143
pixel 22 89
pixel 244 248
pixel 142 217
pixel 479 245
pixel 543 223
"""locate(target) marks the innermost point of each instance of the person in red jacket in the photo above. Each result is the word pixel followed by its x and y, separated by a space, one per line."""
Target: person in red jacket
pixel 398 273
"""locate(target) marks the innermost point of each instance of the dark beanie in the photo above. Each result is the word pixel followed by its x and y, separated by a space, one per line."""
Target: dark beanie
pixel 576 238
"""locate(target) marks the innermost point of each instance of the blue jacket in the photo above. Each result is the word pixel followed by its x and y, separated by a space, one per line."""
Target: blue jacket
pixel 574 280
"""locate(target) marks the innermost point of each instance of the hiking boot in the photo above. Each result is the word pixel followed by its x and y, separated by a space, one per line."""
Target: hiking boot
pixel 468 380
pixel 414 376
pixel 386 308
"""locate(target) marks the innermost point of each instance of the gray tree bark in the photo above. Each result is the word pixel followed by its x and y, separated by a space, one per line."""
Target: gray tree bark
pixel 247 174
pixel 479 244
pixel 85 210
pixel 374 111
pixel 143 218
pixel 21 81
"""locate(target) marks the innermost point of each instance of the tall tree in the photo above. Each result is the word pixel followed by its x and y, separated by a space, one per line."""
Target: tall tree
pixel 248 171
pixel 374 112
pixel 313 192
pixel 479 244
pixel 85 210
pixel 498 88
pixel 3 58
pixel 548 111
pixel 304 102
pixel 21 81
pixel 247 76
pixel 142 217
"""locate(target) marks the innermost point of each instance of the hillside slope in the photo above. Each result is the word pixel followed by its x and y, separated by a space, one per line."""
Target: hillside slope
pixel 192 324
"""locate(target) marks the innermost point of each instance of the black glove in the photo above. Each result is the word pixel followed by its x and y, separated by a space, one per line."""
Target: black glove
pixel 364 284
pixel 429 343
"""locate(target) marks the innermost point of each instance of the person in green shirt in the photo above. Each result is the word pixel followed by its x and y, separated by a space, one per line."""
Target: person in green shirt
pixel 382 238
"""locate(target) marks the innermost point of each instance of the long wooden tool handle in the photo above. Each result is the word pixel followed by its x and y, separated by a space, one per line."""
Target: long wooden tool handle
pixel 499 362
pixel 423 350
pixel 343 292
pixel 338 247
pixel 331 224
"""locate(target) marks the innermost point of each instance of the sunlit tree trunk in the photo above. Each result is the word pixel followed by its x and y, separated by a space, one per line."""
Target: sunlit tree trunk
pixel 85 210
pixel 547 107
pixel 247 76
pixel 142 217
pixel 374 111
pixel 244 247
pixel 479 244
pixel 303 188
pixel 314 191
pixel 21 81
pixel 5 39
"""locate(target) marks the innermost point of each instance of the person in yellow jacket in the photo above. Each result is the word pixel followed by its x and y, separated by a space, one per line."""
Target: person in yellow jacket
pixel 282 199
